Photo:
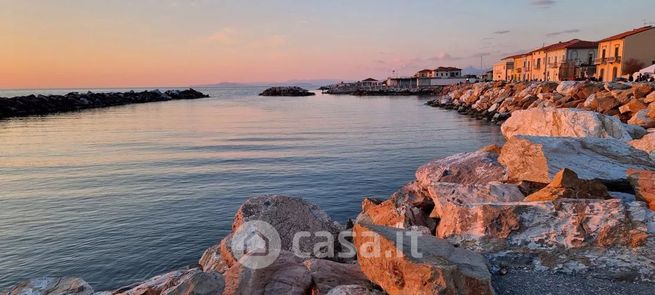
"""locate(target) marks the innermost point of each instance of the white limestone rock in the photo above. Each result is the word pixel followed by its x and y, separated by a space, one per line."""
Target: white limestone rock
pixel 564 123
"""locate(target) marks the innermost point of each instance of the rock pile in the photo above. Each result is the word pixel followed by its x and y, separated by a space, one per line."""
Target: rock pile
pixel 286 91
pixel 47 104
pixel 496 101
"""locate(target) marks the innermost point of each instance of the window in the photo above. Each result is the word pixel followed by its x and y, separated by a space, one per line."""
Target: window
pixel 601 76
pixel 616 51
pixel 590 59
pixel 604 51
pixel 615 73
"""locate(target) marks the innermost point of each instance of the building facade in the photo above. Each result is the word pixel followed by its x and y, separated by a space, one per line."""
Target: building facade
pixel 618 53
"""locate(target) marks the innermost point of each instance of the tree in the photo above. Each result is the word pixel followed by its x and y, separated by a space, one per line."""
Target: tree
pixel 632 66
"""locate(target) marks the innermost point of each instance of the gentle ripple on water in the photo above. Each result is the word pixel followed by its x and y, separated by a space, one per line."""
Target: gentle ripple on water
pixel 121 194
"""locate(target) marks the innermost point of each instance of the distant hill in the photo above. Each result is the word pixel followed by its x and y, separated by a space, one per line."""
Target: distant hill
pixel 308 84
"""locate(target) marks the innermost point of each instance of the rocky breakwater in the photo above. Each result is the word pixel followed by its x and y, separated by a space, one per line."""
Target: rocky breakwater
pixel 558 205
pixel 496 101
pixel 567 194
pixel 286 91
pixel 47 104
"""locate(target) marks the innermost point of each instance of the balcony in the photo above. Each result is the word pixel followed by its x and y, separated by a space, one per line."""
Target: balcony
pixel 602 61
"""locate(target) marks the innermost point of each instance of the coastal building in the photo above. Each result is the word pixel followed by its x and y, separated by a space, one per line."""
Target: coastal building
pixel 504 70
pixel 570 60
pixel 625 53
pixel 447 72
pixel 370 82
pixel 425 74
pixel 521 69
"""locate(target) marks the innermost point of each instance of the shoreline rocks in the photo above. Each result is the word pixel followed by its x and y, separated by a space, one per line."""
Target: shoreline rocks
pixel 31 105
pixel 497 101
pixel 286 91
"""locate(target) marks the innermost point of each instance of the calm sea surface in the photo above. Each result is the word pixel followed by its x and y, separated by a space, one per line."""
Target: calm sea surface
pixel 120 194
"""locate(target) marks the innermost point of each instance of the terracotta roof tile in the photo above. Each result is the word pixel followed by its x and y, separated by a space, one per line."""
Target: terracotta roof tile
pixel 627 34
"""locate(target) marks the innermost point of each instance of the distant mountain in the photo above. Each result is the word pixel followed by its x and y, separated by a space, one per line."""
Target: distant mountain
pixel 310 84
pixel 474 71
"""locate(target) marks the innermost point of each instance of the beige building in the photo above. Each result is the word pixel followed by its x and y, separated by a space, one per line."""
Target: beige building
pixel 570 60
pixel 620 54
pixel 504 70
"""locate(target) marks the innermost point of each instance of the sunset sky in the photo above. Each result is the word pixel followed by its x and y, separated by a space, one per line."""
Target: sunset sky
pixel 130 43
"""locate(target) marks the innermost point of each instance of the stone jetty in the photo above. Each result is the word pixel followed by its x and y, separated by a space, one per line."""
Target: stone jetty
pixel 31 105
pixel 565 206
pixel 496 101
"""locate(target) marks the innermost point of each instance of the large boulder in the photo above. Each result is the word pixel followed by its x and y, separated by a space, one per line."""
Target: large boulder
pixel 327 275
pixel 444 194
pixel 643 182
pixel 50 286
pixel 567 185
pixel 564 123
pixel 538 159
pixel 478 167
pixel 566 88
pixel 354 290
pixel 602 102
pixel 646 143
pixel 604 238
pixel 286 275
pixel 419 264
pixel 642 119
pixel 180 282
pixel 641 90
pixel 288 216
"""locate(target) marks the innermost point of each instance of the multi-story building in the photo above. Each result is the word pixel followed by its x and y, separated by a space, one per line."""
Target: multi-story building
pixel 448 72
pixel 561 61
pixel 624 53
pixel 504 70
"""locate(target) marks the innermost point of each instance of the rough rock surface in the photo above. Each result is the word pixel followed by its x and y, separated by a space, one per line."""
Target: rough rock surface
pixel 286 91
pixel 288 216
pixel 567 185
pixel 646 143
pixel 643 182
pixel 180 282
pixel 564 123
pixel 445 194
pixel 354 290
pixel 327 275
pixel 42 104
pixel 478 167
pixel 287 275
pixel 50 286
pixel 440 268
pixel 605 238
pixel 538 159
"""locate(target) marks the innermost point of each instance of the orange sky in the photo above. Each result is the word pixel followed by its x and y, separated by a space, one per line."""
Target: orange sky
pixel 125 43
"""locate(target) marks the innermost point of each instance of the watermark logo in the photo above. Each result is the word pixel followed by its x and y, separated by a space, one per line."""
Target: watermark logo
pixel 256 244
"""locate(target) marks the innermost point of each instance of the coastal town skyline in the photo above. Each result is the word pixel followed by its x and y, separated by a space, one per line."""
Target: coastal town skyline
pixel 184 43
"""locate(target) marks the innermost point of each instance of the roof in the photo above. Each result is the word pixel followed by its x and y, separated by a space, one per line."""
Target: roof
pixel 424 70
pixel 571 44
pixel 627 34
pixel 447 69
pixel 369 80
pixel 516 56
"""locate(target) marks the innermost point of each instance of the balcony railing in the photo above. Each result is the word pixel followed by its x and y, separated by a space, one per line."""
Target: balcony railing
pixel 614 59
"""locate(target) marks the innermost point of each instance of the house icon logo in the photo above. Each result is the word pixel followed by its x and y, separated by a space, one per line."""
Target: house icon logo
pixel 256 244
